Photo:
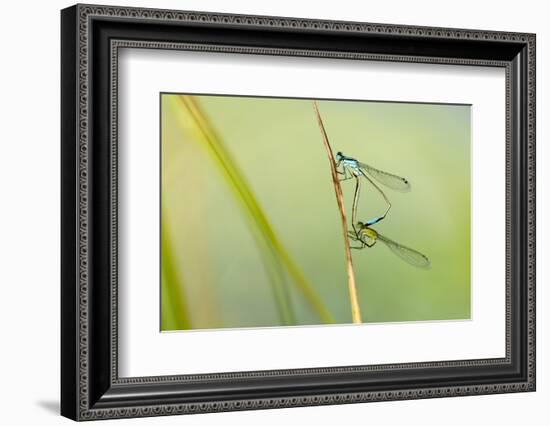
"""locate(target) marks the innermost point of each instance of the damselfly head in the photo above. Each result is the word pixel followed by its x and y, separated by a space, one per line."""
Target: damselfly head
pixel 360 225
pixel 339 156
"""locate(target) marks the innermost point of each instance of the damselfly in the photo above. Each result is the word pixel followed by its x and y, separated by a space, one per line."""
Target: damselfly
pixel 367 237
pixel 352 168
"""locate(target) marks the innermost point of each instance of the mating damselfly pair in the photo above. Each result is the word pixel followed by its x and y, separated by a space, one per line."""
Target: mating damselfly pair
pixel 362 232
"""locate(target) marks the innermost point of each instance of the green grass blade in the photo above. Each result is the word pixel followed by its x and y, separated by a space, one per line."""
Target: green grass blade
pixel 270 246
pixel 175 314
pixel 203 133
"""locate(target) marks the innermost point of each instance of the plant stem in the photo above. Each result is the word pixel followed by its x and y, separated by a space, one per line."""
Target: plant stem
pixel 175 310
pixel 270 244
pixel 352 288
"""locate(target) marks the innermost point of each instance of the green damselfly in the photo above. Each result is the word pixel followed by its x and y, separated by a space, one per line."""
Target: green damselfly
pixel 367 237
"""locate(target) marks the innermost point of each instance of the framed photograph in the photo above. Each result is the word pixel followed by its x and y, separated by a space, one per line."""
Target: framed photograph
pixel 263 212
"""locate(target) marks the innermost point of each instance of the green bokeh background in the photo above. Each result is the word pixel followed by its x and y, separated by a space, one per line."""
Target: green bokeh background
pixel 212 273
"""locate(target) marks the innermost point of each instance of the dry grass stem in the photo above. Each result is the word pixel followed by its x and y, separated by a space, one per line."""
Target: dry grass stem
pixel 352 288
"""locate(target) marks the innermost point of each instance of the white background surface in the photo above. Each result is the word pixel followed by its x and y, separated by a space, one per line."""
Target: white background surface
pixel 146 352
pixel 29 229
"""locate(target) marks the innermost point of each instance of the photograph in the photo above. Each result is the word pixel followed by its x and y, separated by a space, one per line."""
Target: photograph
pixel 308 212
pixel 265 209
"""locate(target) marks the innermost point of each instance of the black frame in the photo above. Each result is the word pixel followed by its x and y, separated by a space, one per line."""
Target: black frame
pixel 91 37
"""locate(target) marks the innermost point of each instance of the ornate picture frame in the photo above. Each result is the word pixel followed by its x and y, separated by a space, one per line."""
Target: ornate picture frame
pixel 91 38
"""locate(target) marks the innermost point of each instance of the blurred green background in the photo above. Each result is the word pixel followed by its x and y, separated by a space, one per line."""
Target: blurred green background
pixel 251 234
